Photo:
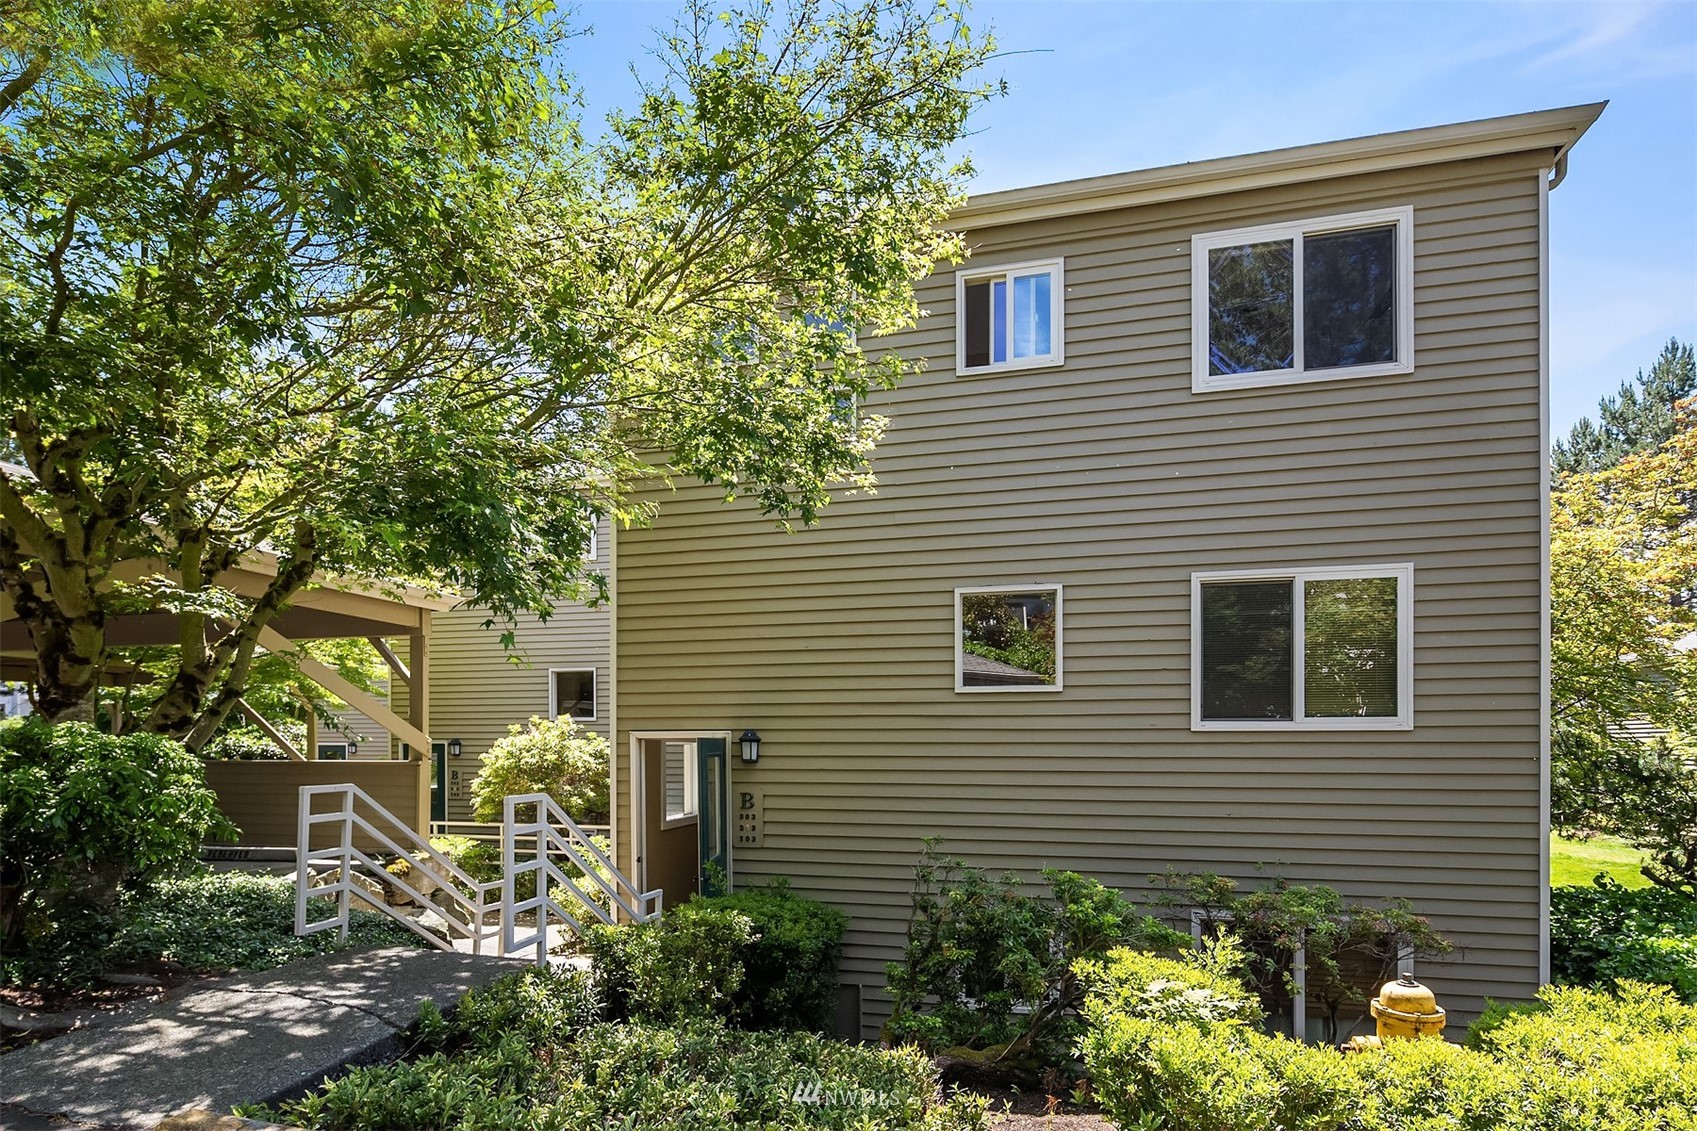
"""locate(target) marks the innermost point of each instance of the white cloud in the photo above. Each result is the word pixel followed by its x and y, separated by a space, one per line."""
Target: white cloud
pixel 1623 42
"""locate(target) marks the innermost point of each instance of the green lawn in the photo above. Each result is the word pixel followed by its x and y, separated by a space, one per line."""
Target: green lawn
pixel 1575 863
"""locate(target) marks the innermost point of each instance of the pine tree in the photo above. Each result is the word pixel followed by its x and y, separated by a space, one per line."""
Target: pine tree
pixel 1638 418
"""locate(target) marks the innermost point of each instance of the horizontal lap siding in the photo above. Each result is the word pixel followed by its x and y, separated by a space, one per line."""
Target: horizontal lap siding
pixel 1109 476
pixel 373 737
pixel 478 688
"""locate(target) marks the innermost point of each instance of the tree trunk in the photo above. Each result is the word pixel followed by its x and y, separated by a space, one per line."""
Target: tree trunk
pixel 202 694
pixel 69 658
pixel 53 576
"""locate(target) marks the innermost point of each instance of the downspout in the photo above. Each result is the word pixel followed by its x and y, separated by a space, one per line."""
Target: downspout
pixel 1559 173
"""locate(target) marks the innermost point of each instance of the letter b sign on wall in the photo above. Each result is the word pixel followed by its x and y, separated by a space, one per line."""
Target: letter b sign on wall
pixel 748 809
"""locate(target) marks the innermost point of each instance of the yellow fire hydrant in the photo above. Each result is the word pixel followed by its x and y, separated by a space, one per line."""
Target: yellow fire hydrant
pixel 1404 1008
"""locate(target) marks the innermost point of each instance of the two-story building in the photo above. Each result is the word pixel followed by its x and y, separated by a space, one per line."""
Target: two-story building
pixel 1212 537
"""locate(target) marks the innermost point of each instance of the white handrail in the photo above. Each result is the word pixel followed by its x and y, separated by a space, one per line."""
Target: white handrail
pixel 556 834
pixel 473 926
pixel 490 831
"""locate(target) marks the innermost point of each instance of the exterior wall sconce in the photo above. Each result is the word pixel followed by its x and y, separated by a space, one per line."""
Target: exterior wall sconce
pixel 353 748
pixel 750 743
pixel 455 748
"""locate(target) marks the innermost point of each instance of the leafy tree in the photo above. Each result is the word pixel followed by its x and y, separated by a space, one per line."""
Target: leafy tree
pixel 276 689
pixel 1623 562
pixel 338 285
pixel 1637 418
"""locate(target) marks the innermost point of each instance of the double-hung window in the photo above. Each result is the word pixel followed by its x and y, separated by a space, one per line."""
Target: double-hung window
pixel 1008 317
pixel 1315 300
pixel 1322 648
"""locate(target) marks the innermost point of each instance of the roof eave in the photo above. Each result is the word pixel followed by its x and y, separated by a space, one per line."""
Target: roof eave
pixel 1554 130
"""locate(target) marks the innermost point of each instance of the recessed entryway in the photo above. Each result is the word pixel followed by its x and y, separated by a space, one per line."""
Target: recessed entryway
pixel 680 788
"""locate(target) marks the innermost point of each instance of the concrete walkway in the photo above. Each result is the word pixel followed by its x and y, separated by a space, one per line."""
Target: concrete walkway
pixel 252 1038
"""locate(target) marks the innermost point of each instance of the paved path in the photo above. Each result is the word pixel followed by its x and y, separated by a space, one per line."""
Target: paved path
pixel 252 1038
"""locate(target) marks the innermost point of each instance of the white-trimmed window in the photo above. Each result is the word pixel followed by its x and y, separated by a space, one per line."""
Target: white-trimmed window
pixel 1008 638
pixel 571 693
pixel 332 752
pixel 1314 300
pixel 1008 317
pixel 1325 648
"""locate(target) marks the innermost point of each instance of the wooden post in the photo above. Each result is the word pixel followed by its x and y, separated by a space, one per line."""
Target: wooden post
pixel 311 732
pixel 418 712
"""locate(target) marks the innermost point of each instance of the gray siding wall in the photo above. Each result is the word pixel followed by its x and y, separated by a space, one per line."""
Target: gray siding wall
pixel 1109 476
pixel 478 688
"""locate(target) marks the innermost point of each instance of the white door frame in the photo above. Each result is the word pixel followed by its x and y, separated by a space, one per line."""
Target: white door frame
pixel 639 798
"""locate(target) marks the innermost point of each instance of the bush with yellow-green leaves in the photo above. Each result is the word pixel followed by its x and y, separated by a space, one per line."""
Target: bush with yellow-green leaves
pixel 1174 1046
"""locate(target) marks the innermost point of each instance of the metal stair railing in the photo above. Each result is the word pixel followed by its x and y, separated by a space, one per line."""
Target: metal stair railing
pixel 465 916
pixel 555 836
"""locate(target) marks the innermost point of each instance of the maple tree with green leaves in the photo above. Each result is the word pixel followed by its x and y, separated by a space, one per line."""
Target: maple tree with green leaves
pixel 1623 650
pixel 346 280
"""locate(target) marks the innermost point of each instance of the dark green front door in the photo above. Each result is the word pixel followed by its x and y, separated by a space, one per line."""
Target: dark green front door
pixel 713 797
pixel 438 781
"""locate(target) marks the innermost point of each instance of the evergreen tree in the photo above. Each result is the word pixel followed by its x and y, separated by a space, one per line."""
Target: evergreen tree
pixel 1638 418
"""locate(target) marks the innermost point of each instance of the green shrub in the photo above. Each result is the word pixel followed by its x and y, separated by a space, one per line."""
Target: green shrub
pixel 540 1005
pixel 790 962
pixel 83 815
pixel 685 966
pixel 551 756
pixel 1348 950
pixel 523 1053
pixel 989 969
pixel 764 958
pixel 1609 933
pixel 1580 1061
pixel 1196 987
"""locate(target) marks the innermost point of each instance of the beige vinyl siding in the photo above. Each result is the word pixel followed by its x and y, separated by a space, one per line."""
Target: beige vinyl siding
pixel 1109 476
pixel 478 688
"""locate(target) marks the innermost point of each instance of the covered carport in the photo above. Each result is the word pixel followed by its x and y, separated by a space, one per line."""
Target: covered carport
pixel 260 796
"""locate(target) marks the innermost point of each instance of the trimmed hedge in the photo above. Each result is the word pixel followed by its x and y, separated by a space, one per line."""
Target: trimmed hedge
pixel 763 958
pixel 1585 1061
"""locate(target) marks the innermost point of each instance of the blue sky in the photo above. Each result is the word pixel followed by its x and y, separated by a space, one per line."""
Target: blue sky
pixel 1103 86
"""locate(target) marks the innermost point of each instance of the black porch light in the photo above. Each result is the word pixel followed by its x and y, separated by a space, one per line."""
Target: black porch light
pixel 750 742
pixel 353 747
pixel 455 748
